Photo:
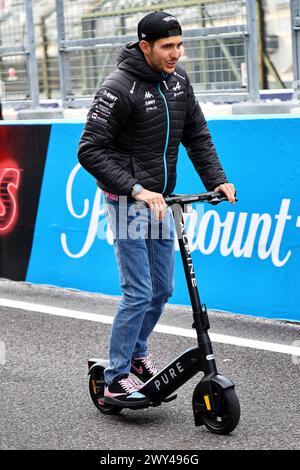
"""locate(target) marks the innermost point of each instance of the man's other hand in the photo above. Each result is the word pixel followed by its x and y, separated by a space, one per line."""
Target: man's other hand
pixel 155 201
pixel 228 189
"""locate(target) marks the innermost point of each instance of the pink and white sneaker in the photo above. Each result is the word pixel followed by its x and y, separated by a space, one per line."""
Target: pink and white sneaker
pixel 143 368
pixel 124 392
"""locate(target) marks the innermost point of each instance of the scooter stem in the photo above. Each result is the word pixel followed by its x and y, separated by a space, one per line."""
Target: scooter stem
pixel 201 322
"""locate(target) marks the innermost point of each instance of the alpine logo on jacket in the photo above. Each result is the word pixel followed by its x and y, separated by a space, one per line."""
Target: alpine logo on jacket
pixel 148 95
pixel 177 87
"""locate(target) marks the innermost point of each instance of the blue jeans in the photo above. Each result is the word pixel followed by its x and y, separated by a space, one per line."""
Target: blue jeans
pixel 144 250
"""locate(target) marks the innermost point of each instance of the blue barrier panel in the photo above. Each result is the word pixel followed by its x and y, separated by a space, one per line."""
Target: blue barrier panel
pixel 247 256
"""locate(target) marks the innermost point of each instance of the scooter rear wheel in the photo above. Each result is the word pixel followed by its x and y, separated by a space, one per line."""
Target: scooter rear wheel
pixel 227 417
pixel 96 389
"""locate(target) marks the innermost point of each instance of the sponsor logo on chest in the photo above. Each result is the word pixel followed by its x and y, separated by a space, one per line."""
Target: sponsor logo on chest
pixel 150 104
pixel 177 89
pixel 148 95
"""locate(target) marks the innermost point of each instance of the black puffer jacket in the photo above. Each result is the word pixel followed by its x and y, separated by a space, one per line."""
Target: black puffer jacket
pixel 135 125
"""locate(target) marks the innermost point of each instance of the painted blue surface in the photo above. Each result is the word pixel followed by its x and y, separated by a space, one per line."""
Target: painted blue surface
pixel 259 154
pixel 65 252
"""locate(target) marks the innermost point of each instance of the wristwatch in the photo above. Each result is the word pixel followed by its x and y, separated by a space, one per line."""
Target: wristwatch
pixel 136 189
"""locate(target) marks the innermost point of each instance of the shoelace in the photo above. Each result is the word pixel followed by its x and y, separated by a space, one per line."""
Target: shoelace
pixel 129 385
pixel 149 365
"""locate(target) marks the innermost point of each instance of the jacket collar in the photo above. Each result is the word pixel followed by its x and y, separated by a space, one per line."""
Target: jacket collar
pixel 133 61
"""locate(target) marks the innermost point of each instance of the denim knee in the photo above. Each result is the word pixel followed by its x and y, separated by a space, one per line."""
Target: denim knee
pixel 163 294
pixel 139 298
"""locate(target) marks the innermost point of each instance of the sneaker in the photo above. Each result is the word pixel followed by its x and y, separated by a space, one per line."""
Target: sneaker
pixel 143 368
pixel 124 392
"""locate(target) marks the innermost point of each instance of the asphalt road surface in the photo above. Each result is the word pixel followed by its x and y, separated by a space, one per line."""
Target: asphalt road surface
pixel 45 402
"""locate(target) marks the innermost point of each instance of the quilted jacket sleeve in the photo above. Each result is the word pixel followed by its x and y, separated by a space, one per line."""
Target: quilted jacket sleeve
pixel 109 112
pixel 200 148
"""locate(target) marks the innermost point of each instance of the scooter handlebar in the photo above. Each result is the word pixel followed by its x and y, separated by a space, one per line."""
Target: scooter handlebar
pixel 210 197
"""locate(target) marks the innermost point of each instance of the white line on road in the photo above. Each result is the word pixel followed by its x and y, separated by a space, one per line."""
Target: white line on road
pixel 167 329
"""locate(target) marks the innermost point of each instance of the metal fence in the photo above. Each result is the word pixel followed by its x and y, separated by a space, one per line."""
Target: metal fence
pixel 219 37
pixel 295 16
pixel 70 46
pixel 47 49
pixel 18 68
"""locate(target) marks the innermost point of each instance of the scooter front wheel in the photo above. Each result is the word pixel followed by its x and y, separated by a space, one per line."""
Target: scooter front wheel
pixel 225 419
pixel 96 389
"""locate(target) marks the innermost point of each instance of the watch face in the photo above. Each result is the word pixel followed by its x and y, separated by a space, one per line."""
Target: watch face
pixel 137 188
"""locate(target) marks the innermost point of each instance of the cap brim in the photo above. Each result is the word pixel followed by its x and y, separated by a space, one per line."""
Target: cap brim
pixel 132 45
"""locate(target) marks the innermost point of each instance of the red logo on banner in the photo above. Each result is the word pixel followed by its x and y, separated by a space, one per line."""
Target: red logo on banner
pixel 9 184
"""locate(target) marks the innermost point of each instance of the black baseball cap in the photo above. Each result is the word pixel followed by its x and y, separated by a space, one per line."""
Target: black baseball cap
pixel 157 25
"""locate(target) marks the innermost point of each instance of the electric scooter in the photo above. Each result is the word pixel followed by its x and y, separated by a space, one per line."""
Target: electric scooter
pixel 215 403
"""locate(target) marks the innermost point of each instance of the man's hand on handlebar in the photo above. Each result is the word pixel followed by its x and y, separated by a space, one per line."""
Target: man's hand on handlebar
pixel 228 189
pixel 155 201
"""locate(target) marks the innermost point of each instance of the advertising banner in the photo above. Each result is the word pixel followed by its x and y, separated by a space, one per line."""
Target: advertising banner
pixel 23 152
pixel 247 256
